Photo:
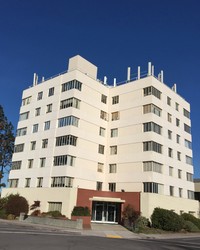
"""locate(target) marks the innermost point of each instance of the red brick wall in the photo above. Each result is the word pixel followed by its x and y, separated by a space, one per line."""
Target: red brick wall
pixel 132 198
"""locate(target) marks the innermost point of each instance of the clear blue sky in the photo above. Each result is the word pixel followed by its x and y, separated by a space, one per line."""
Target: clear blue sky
pixel 41 35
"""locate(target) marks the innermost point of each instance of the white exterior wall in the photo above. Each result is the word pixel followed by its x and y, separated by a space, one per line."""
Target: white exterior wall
pixel 130 155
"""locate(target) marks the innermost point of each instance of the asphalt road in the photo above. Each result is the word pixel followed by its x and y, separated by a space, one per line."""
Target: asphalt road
pixel 24 237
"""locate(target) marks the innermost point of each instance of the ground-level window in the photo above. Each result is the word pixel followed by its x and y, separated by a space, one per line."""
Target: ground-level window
pixel 55 206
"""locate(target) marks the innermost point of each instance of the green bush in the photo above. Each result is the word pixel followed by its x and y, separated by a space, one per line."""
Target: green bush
pixel 190 227
pixel 3 214
pixel 81 211
pixel 166 220
pixel 190 217
pixel 55 214
pixel 16 204
pixel 141 222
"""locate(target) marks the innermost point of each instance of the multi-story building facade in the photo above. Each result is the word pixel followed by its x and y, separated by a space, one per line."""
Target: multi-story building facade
pixel 83 142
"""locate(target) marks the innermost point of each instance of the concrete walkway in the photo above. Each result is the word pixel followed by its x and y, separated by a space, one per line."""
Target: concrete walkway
pixel 110 231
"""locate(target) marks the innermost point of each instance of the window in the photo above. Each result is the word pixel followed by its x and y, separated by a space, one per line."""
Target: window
pixel 186 113
pixel 112 187
pixel 62 181
pixel 151 126
pixel 66 140
pixel 30 163
pixel 187 128
pixel 37 111
pixel 35 128
pixel 115 99
pixel 55 206
pixel 42 162
pixel 177 106
pixel 44 143
pixel 39 97
pixel 19 148
pixel 26 101
pixel 152 146
pixel 179 156
pixel 27 182
pixel 188 160
pixel 21 131
pixel 70 102
pixel 99 185
pixel 152 166
pixel 100 167
pixel 190 194
pixel 113 168
pixel 16 165
pixel 24 116
pixel 101 149
pixel 104 99
pixel 102 131
pixel 62 160
pixel 170 171
pixel 51 91
pixel 169 101
pixel 115 116
pixel 171 190
pixel 152 91
pixel 169 117
pixel 49 108
pixel 189 177
pixel 178 138
pixel 114 132
pixel 179 173
pixel 170 152
pixel 188 144
pixel 180 190
pixel 33 145
pixel 13 183
pixel 74 84
pixel 177 122
pixel 169 134
pixel 151 108
pixel 47 125
pixel 39 181
pixel 152 187
pixel 67 121
pixel 113 150
pixel 104 115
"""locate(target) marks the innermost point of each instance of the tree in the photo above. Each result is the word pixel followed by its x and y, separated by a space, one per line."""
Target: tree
pixel 6 144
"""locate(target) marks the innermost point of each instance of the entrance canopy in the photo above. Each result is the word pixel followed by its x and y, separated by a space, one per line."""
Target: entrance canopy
pixel 107 199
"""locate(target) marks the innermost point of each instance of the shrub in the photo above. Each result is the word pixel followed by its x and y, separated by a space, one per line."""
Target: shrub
pixel 190 227
pixel 36 213
pixel 80 211
pixel 11 217
pixel 16 204
pixel 190 217
pixel 141 222
pixel 54 214
pixel 3 214
pixel 166 220
pixel 130 215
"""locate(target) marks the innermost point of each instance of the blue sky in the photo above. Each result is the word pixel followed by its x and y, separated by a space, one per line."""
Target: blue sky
pixel 41 35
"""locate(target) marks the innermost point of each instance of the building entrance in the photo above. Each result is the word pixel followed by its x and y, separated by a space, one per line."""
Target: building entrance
pixel 107 212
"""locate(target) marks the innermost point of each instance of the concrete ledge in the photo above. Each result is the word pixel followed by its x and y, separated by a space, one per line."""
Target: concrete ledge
pixel 78 224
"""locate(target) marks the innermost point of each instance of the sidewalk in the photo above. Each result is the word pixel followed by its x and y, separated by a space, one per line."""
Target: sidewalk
pixel 105 230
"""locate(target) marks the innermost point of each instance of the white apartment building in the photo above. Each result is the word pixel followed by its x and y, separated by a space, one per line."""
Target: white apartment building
pixel 81 141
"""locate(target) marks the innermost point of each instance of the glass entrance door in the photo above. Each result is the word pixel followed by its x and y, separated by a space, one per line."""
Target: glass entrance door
pixel 105 211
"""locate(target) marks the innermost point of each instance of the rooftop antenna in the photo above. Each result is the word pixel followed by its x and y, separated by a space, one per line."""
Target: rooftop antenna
pixel 128 74
pixel 138 72
pixel 105 80
pixel 149 68
pixel 115 82
pixel 35 79
pixel 161 76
